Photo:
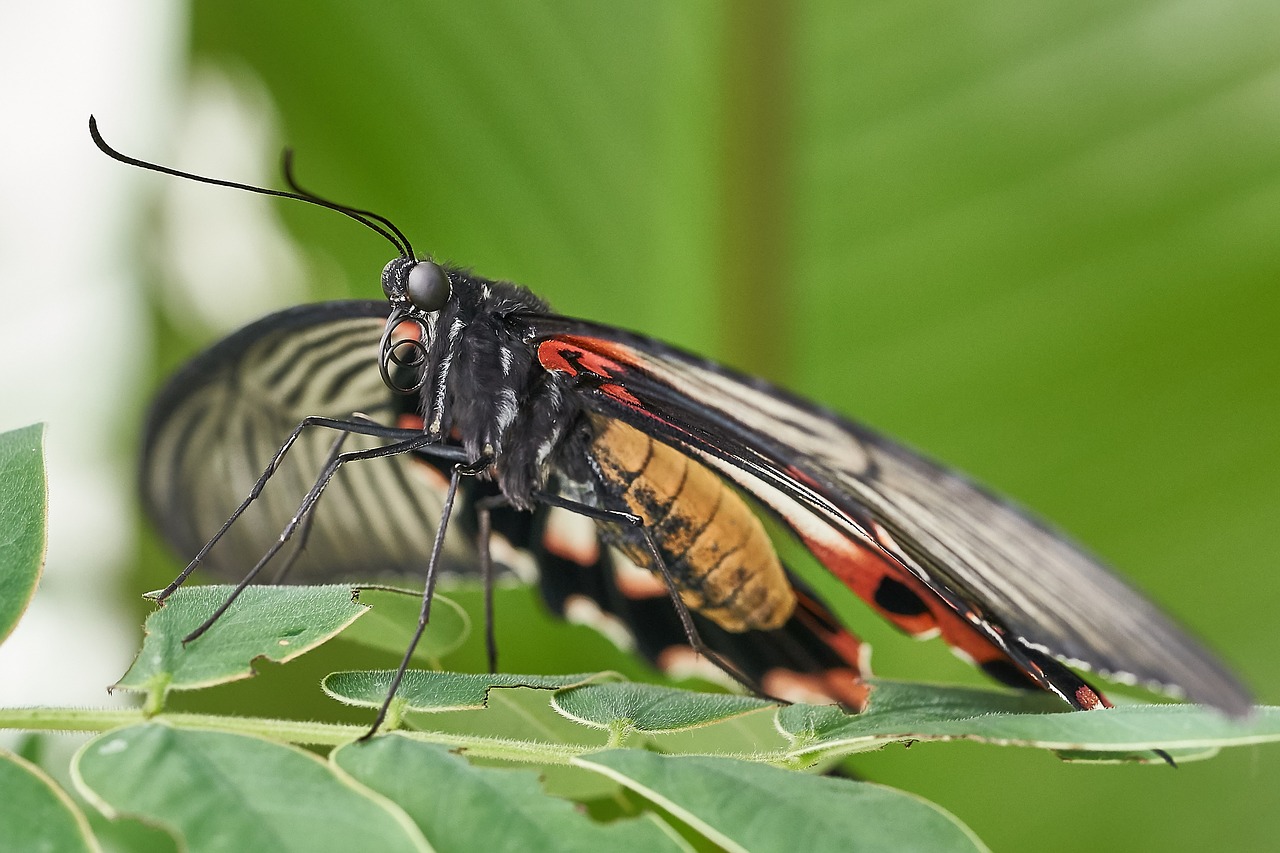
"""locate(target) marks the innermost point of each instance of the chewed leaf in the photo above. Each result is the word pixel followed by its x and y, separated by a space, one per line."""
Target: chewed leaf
pixel 37 814
pixel 910 712
pixel 649 707
pixel 393 617
pixel 505 809
pixel 22 521
pixel 438 691
pixel 742 806
pixel 270 622
pixel 220 791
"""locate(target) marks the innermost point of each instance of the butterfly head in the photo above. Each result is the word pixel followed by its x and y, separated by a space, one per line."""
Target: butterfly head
pixel 418 291
pixel 416 286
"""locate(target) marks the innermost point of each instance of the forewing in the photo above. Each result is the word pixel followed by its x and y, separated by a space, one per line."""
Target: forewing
pixel 1021 585
pixel 216 424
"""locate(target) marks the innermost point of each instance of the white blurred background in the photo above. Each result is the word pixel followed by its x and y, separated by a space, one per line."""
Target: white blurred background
pixel 73 336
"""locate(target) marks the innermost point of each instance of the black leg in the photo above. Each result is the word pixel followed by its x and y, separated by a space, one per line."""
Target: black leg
pixel 404 439
pixel 304 531
pixel 484 526
pixel 428 592
pixel 304 510
pixel 682 609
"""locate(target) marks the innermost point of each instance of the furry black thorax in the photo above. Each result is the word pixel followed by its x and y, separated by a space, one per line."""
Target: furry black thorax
pixel 484 388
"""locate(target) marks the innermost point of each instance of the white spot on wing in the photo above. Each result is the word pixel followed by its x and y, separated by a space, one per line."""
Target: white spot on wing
pixel 573 536
pixel 683 662
pixel 519 561
pixel 580 610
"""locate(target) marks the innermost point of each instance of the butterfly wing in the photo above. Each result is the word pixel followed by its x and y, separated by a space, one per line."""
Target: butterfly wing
pixel 216 424
pixel 925 546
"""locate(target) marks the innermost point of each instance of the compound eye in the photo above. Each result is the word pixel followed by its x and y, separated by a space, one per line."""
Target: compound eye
pixel 428 286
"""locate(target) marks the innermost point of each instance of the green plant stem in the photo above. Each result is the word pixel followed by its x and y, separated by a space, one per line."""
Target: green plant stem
pixel 290 731
pixel 105 719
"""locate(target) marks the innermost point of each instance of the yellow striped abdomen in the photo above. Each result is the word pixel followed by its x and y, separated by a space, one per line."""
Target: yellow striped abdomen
pixel 715 546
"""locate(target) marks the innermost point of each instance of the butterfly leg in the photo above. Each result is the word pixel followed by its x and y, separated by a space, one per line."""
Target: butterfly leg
pixel 359 426
pixel 428 592
pixel 682 610
pixel 484 526
pixel 309 501
pixel 304 530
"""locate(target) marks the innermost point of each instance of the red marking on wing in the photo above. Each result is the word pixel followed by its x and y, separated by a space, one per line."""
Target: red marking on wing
pixel 801 477
pixel 573 355
pixel 410 421
pixel 407 331
pixel 841 686
pixel 586 355
pixel 862 571
pixel 822 623
pixel 622 395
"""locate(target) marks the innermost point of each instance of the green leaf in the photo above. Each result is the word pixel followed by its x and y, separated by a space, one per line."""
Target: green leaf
pixel 393 618
pixel 127 835
pixel 463 808
pixel 650 707
pixel 1178 756
pixel 269 622
pixel 22 521
pixel 751 807
pixel 37 815
pixel 226 792
pixel 437 691
pixel 913 712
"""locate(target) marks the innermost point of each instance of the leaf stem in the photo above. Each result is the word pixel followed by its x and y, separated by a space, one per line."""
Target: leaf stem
pixel 94 720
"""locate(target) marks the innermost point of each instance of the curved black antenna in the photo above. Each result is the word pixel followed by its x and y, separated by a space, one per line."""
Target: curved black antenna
pixel 154 167
pixel 286 166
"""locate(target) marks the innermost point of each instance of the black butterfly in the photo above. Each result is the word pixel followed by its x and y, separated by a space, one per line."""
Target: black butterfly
pixel 458 394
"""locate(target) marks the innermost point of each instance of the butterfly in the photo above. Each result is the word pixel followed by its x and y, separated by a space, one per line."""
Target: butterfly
pixel 629 477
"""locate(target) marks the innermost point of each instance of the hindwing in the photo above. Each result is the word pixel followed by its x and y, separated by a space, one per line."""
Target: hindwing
pixel 993 579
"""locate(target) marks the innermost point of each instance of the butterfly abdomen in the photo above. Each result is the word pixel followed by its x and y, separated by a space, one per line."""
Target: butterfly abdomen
pixel 713 544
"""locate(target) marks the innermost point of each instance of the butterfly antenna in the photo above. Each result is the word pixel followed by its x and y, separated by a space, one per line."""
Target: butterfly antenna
pixel 291 179
pixel 393 236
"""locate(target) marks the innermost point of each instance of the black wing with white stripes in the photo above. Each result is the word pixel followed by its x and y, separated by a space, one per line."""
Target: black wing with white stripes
pixel 1026 588
pixel 216 424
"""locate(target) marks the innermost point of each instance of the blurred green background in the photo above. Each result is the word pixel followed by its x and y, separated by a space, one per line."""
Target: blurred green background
pixel 1037 240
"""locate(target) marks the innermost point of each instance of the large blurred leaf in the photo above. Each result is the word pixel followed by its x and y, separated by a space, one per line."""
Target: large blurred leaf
pixel 37 815
pixel 1036 239
pixel 552 143
pixel 22 521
